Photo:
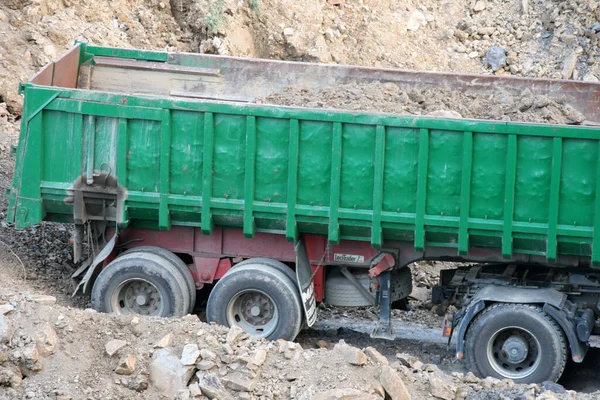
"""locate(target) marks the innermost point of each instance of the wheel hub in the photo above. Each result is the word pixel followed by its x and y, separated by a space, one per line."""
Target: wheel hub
pixel 257 309
pixel 515 349
pixel 514 352
pixel 138 297
pixel 253 311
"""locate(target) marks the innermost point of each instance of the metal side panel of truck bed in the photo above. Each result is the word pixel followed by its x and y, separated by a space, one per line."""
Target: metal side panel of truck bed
pixel 155 139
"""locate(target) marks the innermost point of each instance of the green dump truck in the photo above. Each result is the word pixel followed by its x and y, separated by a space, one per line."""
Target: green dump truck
pixel 178 178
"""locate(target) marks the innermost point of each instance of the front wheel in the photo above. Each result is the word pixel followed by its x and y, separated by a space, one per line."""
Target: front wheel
pixel 516 341
pixel 260 300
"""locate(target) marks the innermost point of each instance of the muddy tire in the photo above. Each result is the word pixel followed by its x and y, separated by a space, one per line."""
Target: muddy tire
pixel 141 283
pixel 259 299
pixel 278 265
pixel 176 261
pixel 281 267
pixel 516 341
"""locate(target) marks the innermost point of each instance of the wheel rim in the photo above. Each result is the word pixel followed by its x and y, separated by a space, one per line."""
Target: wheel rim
pixel 514 352
pixel 137 296
pixel 254 311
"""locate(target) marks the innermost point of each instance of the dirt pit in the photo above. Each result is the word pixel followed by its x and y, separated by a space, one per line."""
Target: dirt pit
pixel 441 102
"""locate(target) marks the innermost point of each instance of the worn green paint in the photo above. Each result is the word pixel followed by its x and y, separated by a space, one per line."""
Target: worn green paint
pixel 523 188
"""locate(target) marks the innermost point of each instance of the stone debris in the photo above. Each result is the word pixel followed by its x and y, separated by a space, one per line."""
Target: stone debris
pixel 208 355
pixel 205 365
pixel 444 102
pixel 238 382
pixel 167 374
pixel 6 308
pixel 393 384
pixel 114 346
pixel 415 21
pixel 568 65
pixel 234 335
pixel 376 356
pixel 344 394
pixel 43 299
pixel 47 340
pixel 495 58
pixel 190 354
pixel 479 6
pixel 211 387
pixel 351 354
pixel 441 389
pixel 165 341
pixel 126 366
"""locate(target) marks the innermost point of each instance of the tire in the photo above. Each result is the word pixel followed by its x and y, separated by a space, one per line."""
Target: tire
pixel 278 265
pixel 164 288
pixel 256 286
pixel 339 291
pixel 176 261
pixel 503 328
pixel 281 267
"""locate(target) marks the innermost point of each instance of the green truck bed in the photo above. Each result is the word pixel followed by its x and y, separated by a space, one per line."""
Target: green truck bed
pixel 155 139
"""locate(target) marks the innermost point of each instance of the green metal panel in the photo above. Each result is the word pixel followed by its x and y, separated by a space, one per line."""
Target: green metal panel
pixel 523 188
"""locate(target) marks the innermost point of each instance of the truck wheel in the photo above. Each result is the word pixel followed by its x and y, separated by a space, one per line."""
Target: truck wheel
pixel 278 265
pixel 518 342
pixel 259 299
pixel 281 267
pixel 141 283
pixel 176 261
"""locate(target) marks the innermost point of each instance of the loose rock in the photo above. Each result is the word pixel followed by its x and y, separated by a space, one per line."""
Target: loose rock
pixel 238 382
pixel 393 384
pixel 43 300
pixel 211 387
pixel 6 308
pixel 351 354
pixel 167 374
pixel 495 58
pixel 126 366
pixel 376 356
pixel 165 341
pixel 47 340
pixel 479 6
pixel 415 21
pixel 234 335
pixel 190 354
pixel 114 346
pixel 441 389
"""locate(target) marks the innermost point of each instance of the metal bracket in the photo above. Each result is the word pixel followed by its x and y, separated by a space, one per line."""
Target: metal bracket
pixel 103 255
pixel 384 329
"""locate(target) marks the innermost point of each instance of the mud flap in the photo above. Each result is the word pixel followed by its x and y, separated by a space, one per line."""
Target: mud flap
pixel 104 253
pixel 305 282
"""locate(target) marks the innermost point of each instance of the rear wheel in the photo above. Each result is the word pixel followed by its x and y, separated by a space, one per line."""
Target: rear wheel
pixel 281 267
pixel 143 284
pixel 278 265
pixel 177 263
pixel 259 299
pixel 518 342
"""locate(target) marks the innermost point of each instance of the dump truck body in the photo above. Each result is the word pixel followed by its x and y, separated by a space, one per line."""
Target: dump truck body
pixel 178 155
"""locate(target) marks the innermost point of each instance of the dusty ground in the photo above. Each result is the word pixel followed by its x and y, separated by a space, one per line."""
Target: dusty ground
pixel 540 38
pixel 48 351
